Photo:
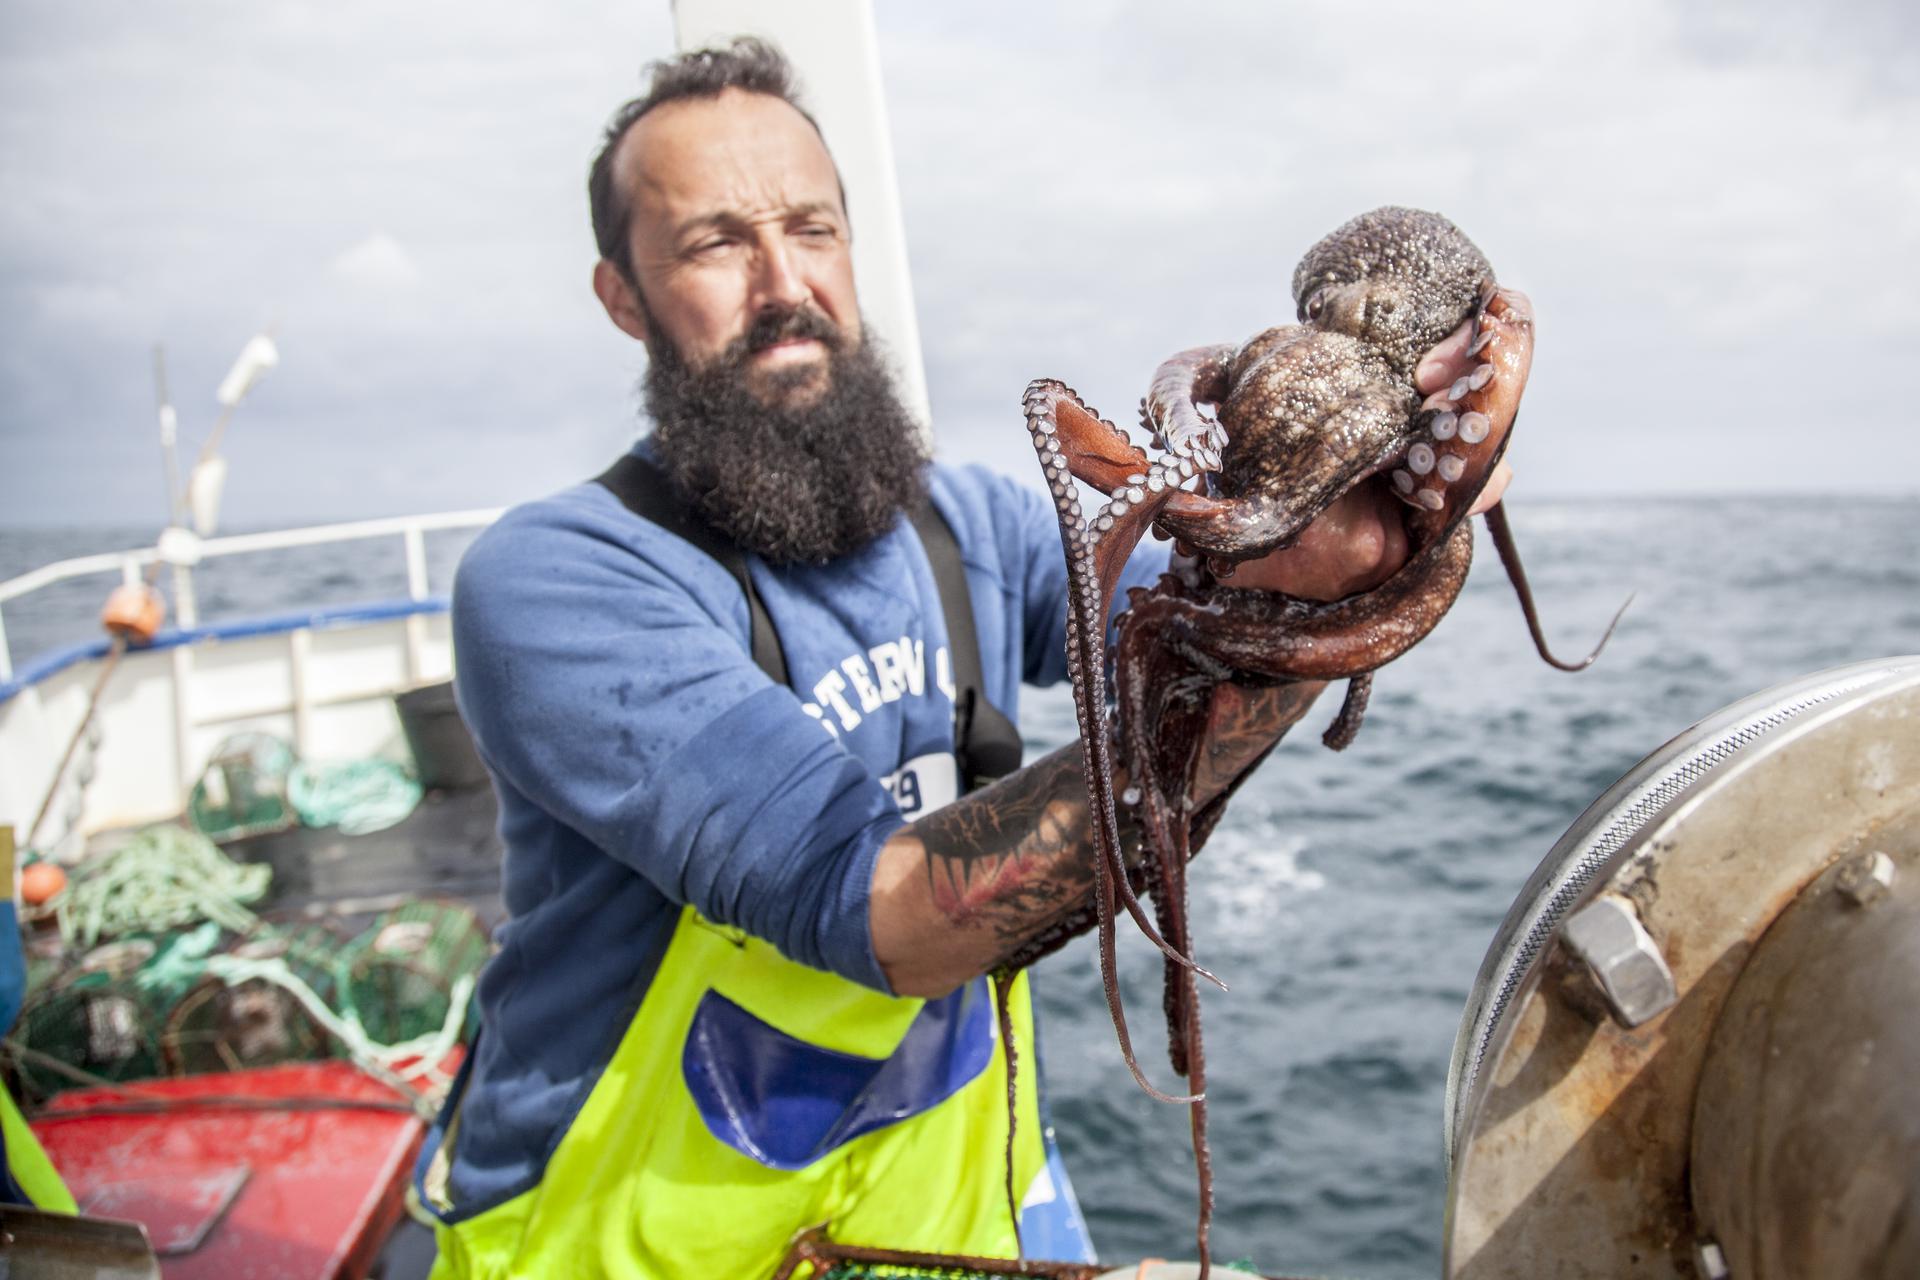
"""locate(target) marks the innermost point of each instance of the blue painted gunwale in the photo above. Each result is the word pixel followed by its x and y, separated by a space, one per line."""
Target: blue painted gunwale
pixel 51 663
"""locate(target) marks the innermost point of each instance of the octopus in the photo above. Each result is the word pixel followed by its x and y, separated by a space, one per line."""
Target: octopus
pixel 1305 413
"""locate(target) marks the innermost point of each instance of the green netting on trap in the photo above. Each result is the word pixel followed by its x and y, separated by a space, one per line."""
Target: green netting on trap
pixel 207 999
pixel 879 1271
pixel 95 1023
pixel 399 976
pixel 814 1256
pixel 215 1025
pixel 243 790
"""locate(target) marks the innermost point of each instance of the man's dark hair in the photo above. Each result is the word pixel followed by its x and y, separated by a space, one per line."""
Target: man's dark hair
pixel 749 63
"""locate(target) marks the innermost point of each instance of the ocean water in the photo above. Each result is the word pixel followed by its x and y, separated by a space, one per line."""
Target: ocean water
pixel 1348 899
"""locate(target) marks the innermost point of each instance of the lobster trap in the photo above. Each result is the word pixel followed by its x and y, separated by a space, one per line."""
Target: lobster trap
pixel 818 1258
pixel 398 976
pixel 815 1257
pixel 191 1002
pixel 220 1026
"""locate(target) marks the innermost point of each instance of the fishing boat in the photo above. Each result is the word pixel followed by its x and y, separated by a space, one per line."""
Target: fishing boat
pixel 250 1100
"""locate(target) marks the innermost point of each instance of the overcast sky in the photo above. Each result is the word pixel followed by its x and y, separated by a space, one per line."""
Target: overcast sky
pixel 1716 208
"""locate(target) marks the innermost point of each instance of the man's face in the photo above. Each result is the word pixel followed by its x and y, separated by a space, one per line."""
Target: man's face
pixel 736 217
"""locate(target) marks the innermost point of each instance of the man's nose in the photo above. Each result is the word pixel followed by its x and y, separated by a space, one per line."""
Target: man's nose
pixel 780 282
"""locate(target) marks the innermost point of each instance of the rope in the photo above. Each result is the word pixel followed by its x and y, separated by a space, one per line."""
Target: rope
pixel 359 797
pixel 164 878
pixel 178 964
pixel 377 1059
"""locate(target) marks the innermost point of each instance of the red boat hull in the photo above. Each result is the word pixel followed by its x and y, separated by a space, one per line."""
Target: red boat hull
pixel 288 1172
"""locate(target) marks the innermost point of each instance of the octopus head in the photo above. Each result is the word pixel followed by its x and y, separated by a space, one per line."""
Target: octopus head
pixel 1397 279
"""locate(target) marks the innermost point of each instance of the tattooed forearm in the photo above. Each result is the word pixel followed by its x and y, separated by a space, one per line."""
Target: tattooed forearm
pixel 1004 875
pixel 1244 725
pixel 1012 856
pixel 1017 857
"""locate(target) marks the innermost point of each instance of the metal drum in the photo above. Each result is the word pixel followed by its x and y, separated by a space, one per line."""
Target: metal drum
pixel 1693 1049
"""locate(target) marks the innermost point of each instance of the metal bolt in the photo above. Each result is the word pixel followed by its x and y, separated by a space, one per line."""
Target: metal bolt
pixel 1712 1262
pixel 1621 955
pixel 1865 880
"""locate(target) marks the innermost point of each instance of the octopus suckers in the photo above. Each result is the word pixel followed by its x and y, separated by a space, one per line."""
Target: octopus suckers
pixel 1420 459
pixel 1445 423
pixel 1451 467
pixel 1403 481
pixel 1480 377
pixel 1460 388
pixel 1432 499
pixel 1474 427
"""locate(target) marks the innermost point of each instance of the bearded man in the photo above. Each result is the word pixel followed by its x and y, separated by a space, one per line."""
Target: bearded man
pixel 740 990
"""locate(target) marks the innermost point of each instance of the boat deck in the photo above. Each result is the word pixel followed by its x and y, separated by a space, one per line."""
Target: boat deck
pixel 446 848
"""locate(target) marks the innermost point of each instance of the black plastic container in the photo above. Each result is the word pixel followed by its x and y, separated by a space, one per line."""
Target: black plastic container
pixel 443 752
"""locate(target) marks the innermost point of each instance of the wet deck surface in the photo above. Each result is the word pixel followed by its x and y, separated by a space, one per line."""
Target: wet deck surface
pixel 447 848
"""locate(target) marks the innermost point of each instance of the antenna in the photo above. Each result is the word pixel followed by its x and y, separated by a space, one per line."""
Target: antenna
pixel 209 475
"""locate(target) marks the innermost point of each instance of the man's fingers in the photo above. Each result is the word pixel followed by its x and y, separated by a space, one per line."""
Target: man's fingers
pixel 1496 488
pixel 1446 362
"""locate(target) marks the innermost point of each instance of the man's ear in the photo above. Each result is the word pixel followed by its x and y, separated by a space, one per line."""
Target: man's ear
pixel 617 295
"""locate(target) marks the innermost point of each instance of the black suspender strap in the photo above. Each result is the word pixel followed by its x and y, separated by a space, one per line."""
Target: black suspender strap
pixel 986 743
pixel 645 492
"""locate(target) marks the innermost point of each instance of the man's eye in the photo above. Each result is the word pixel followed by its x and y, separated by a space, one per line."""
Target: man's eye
pixel 712 245
pixel 818 231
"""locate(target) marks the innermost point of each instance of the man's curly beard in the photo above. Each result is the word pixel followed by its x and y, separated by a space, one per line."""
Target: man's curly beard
pixel 792 484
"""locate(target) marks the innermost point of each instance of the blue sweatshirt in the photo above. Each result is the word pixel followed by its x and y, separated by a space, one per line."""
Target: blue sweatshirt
pixel 643 762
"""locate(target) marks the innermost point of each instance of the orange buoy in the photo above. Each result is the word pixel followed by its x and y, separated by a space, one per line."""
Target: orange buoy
pixel 40 883
pixel 134 612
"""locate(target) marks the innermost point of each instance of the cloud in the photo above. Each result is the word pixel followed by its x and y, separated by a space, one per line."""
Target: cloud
pixel 1716 208
pixel 378 264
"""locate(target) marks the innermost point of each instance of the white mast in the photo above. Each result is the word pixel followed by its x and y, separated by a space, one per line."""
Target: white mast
pixel 832 45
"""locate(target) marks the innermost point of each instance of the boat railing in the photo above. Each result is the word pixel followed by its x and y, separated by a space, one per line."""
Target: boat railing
pixel 131 565
pixel 311 674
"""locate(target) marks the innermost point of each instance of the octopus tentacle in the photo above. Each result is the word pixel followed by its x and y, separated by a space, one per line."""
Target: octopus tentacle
pixel 1075 442
pixel 1179 386
pixel 1444 472
pixel 1510 560
pixel 1003 980
pixel 1267 634
pixel 1232 528
pixel 1196 1072
pixel 1340 734
pixel 1373 431
pixel 1457 444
